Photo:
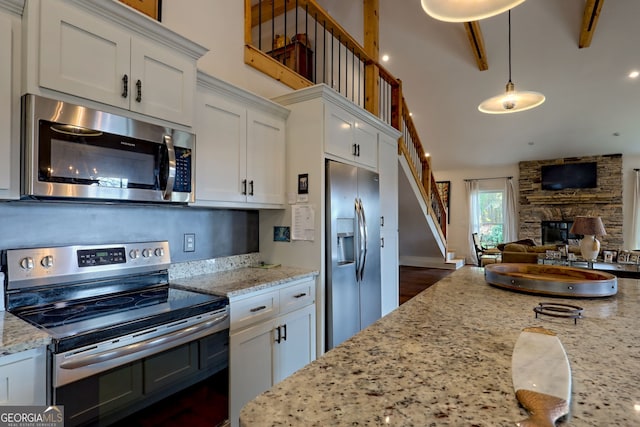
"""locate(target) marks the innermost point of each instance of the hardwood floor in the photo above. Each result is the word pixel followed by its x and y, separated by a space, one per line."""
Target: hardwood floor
pixel 414 280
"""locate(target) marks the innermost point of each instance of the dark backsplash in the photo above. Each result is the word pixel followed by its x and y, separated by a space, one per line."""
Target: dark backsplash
pixel 219 232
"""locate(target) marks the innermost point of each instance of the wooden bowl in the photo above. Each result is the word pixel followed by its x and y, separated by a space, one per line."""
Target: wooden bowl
pixel 551 280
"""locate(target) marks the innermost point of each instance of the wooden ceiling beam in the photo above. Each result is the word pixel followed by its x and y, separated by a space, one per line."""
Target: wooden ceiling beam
pixel 474 33
pixel 590 17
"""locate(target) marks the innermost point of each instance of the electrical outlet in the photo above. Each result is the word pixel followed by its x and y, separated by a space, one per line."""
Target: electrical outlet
pixel 189 242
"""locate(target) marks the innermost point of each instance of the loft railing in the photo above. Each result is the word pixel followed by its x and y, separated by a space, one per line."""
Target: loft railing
pixel 297 43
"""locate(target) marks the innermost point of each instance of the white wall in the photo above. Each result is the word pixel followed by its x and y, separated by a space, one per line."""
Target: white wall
pixel 219 26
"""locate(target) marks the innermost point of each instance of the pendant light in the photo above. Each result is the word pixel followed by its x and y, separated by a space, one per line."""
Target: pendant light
pixel 511 101
pixel 466 10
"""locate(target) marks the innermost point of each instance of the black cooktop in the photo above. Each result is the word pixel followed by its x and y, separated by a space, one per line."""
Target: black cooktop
pixel 81 322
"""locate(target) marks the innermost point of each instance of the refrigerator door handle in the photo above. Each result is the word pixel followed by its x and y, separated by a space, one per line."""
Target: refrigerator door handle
pixel 358 238
pixel 365 239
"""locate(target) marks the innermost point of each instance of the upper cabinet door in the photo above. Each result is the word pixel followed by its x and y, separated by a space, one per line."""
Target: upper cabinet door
pixel 162 83
pixel 339 139
pixel 83 55
pixel 350 139
pixel 265 158
pixel 6 101
pixel 221 141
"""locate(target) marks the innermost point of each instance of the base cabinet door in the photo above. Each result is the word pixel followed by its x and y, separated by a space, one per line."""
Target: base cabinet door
pixel 297 346
pixel 250 366
pixel 22 378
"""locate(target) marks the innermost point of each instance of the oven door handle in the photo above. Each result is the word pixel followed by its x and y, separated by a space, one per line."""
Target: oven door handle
pixel 149 344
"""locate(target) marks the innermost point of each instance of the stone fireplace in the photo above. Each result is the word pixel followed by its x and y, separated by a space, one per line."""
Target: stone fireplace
pixel 562 206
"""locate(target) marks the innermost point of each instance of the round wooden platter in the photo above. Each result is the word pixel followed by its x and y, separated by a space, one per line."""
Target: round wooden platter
pixel 551 280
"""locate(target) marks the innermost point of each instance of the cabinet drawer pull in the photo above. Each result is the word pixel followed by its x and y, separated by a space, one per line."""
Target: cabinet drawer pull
pixel 251 188
pixel 300 295
pixel 355 150
pixel 125 86
pixel 244 187
pixel 255 309
pixel 139 87
pixel 284 336
pixel 278 335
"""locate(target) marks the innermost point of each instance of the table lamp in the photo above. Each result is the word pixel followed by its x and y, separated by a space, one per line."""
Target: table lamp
pixel 589 227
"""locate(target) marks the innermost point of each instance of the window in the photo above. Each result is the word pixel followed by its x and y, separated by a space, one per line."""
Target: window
pixel 490 218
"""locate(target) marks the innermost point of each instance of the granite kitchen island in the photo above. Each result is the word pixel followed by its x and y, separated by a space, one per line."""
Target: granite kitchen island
pixel 444 359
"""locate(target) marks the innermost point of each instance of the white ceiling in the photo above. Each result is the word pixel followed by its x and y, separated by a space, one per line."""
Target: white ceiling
pixel 589 94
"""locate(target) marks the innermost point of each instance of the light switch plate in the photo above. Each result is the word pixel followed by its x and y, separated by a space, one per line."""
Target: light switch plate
pixel 189 242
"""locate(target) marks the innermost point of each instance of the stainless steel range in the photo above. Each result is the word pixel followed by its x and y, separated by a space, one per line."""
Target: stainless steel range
pixel 122 338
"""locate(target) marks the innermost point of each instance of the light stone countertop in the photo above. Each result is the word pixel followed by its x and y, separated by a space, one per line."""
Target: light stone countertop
pixel 18 335
pixel 236 282
pixel 444 359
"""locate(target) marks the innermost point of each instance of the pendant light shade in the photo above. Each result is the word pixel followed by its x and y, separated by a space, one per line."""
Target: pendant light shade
pixel 511 101
pixel 466 10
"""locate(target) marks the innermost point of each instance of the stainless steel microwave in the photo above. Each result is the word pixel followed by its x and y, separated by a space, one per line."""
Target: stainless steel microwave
pixel 74 152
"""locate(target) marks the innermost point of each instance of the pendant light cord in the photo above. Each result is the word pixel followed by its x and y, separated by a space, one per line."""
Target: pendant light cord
pixel 509 45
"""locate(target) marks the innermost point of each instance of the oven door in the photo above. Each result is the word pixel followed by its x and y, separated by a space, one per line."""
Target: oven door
pixel 76 152
pixel 106 382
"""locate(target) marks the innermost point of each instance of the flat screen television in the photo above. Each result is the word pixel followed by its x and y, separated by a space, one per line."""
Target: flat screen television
pixel 569 175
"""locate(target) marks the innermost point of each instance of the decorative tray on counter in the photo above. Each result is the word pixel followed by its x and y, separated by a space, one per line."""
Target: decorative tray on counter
pixel 551 280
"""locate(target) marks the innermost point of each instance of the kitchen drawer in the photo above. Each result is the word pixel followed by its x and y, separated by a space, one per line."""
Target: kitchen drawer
pixel 254 309
pixel 296 296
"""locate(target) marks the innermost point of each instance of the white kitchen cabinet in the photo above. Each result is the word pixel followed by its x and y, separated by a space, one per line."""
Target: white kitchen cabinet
pixel 10 54
pixel 349 138
pixel 272 335
pixel 389 273
pixel 22 378
pixel 240 157
pixel 82 53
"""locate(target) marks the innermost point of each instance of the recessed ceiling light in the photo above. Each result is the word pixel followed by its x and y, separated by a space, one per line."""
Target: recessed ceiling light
pixel 634 74
pixel 410 114
pixel 427 154
pixel 385 58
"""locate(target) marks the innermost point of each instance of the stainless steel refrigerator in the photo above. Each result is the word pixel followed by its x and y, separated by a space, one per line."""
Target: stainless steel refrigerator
pixel 353 251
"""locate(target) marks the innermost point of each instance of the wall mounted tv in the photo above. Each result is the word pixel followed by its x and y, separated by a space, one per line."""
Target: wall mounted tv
pixel 569 175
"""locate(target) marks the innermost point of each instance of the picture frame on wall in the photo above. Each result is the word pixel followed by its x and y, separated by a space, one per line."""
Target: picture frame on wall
pixel 444 188
pixel 151 8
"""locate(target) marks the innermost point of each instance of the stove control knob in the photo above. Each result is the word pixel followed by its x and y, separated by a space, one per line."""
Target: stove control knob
pixel 26 263
pixel 147 253
pixel 47 261
pixel 134 253
pixel 159 252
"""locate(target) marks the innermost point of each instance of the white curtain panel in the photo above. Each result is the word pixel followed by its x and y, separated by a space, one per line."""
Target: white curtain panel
pixel 510 232
pixel 635 219
pixel 472 201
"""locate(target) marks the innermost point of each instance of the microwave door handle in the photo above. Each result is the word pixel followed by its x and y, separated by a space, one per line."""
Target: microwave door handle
pixel 171 176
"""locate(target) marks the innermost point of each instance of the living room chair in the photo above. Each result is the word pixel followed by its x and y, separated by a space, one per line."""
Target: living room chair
pixel 484 255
